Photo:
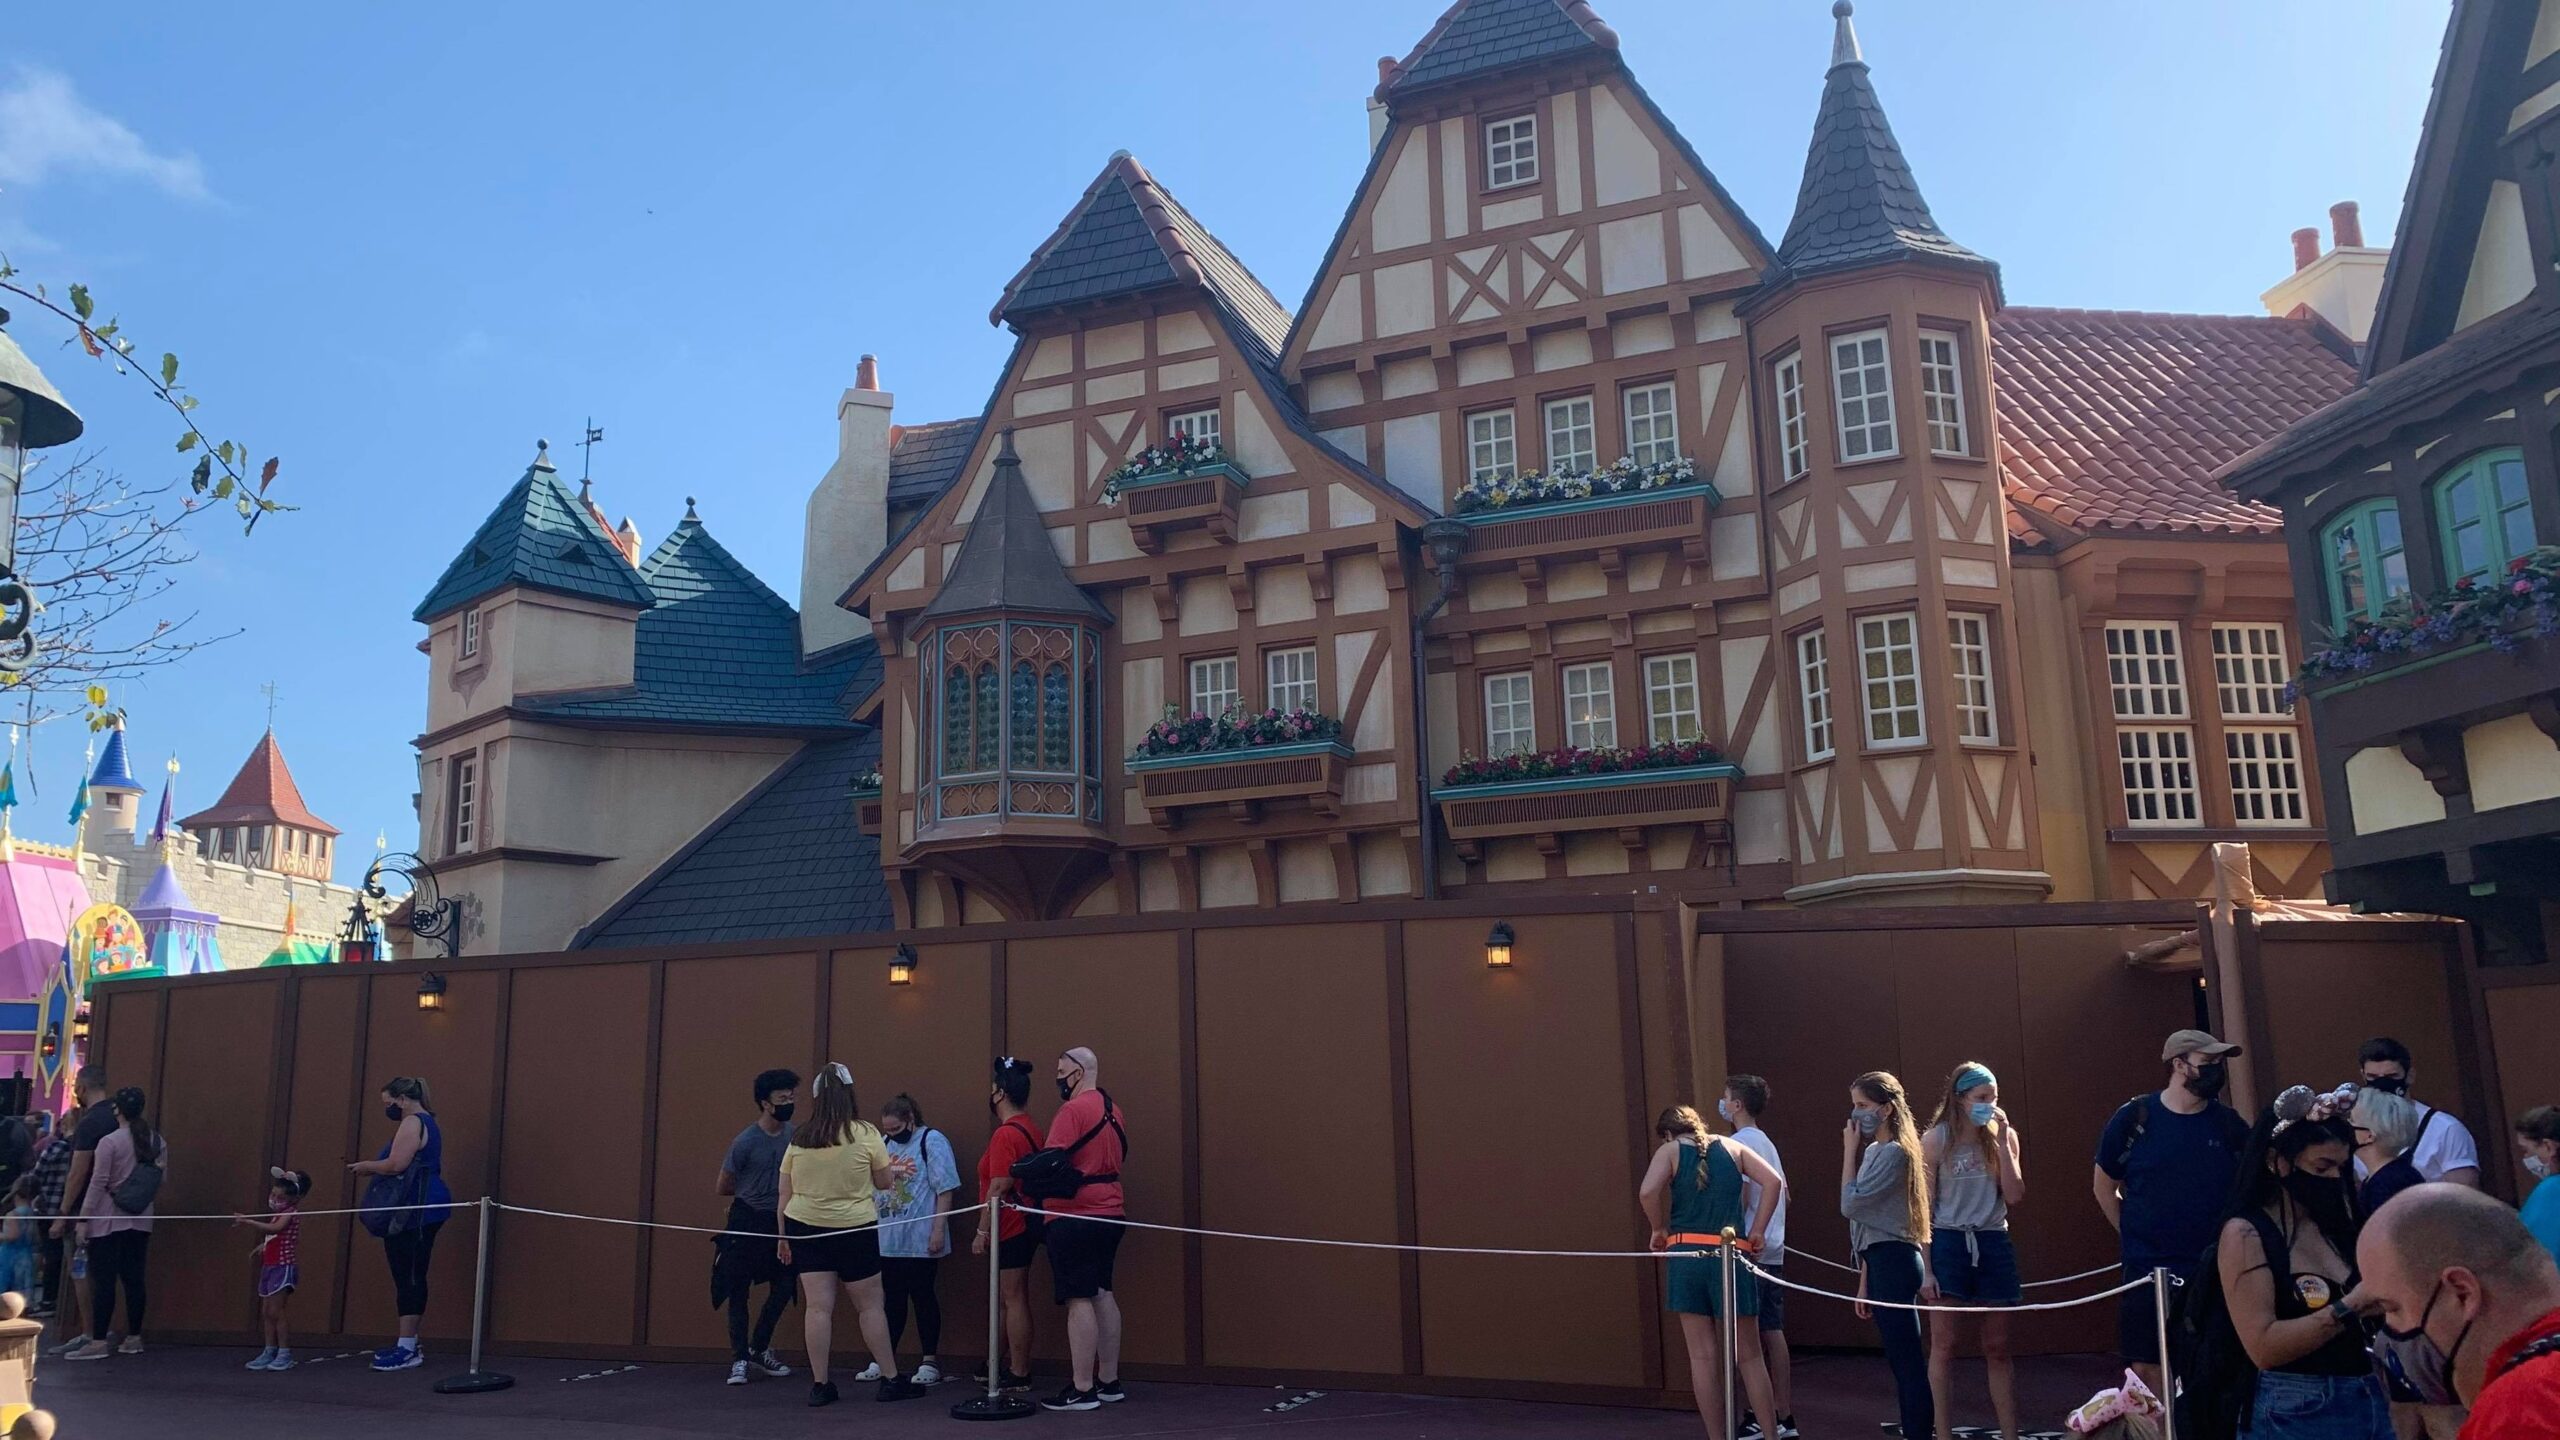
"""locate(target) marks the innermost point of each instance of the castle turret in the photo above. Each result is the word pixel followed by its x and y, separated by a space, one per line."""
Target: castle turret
pixel 115 797
pixel 261 821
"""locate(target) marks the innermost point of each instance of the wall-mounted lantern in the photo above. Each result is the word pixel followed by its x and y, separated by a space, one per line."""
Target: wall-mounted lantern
pixel 1497 946
pixel 431 992
pixel 902 965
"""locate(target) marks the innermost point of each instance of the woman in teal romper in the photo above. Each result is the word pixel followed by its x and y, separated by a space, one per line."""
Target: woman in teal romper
pixel 1691 1193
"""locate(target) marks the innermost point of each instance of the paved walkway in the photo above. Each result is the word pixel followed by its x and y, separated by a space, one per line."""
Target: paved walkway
pixel 205 1395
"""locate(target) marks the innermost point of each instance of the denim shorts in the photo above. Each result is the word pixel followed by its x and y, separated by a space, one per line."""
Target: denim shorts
pixel 2318 1407
pixel 1975 1267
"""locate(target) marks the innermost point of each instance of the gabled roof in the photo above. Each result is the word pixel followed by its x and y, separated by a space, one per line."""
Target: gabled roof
pixel 1128 235
pixel 720 648
pixel 541 537
pixel 788 860
pixel 923 459
pixel 263 793
pixel 2115 420
pixel 1007 562
pixel 1476 38
pixel 113 771
pixel 1858 204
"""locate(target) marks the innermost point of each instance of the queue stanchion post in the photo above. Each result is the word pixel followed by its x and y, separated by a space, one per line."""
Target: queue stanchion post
pixel 1732 1336
pixel 2160 1294
pixel 476 1381
pixel 995 1404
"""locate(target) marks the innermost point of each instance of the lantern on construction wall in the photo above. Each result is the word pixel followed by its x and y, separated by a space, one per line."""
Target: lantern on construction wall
pixel 902 965
pixel 431 992
pixel 1497 946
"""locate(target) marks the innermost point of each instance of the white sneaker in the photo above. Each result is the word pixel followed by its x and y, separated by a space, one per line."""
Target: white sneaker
pixel 869 1373
pixel 927 1375
pixel 737 1372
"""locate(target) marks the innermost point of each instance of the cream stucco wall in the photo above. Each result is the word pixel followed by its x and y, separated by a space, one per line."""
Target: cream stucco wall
pixel 2511 763
pixel 2386 792
pixel 2502 266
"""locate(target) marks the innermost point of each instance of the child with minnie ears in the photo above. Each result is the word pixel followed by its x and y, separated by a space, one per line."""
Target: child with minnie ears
pixel 277 1256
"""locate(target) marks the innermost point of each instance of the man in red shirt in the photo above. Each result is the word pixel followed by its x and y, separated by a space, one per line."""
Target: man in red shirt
pixel 1017 1235
pixel 1081 1245
pixel 2470 1308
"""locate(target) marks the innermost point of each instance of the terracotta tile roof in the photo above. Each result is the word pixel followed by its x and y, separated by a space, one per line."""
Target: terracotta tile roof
pixel 2117 420
pixel 263 793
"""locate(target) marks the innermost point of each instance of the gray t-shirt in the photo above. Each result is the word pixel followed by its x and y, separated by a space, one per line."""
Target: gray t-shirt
pixel 1875 1201
pixel 1967 1195
pixel 754 1166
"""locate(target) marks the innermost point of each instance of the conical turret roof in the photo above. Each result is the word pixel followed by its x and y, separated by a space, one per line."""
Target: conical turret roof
pixel 1006 562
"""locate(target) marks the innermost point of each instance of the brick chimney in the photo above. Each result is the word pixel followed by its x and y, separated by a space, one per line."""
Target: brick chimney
pixel 848 519
pixel 1378 102
pixel 2340 286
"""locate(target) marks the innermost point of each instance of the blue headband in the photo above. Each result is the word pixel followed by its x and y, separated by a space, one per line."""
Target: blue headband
pixel 1973 1077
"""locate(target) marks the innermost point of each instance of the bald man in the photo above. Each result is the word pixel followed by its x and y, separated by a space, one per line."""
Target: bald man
pixel 1082 1242
pixel 2470 1308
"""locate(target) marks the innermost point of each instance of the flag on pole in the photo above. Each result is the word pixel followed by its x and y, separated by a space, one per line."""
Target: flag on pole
pixel 79 803
pixel 9 785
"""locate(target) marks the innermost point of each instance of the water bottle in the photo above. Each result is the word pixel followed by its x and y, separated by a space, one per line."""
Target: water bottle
pixel 80 1263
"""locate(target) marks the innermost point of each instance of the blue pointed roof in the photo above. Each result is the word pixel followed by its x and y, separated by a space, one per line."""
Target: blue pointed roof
pixel 719 648
pixel 113 771
pixel 542 537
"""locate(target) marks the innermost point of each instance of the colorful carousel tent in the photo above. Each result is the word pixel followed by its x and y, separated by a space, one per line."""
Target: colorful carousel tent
pixel 178 938
pixel 39 895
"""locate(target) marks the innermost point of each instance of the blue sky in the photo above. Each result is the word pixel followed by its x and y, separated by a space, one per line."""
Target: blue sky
pixel 395 245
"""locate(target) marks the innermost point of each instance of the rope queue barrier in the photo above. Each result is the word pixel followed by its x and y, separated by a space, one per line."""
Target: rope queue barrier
pixel 709 1230
pixel 2027 1285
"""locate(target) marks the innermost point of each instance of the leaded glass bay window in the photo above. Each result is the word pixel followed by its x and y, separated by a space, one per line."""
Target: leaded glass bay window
pixel 1014 722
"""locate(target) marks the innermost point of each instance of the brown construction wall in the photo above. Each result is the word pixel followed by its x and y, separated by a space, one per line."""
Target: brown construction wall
pixel 1361 1075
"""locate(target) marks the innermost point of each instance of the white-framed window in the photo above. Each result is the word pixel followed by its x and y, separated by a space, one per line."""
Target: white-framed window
pixel 1653 423
pixel 1942 391
pixel 1289 679
pixel 1862 393
pixel 1573 442
pixel 1813 679
pixel 1969 646
pixel 2266 775
pixel 2159 768
pixel 1671 698
pixel 1493 446
pixel 1199 425
pixel 2144 676
pixel 470 633
pixel 1789 379
pixel 1590 707
pixel 2249 670
pixel 1213 689
pixel 1889 674
pixel 462 826
pixel 1510 717
pixel 1511 151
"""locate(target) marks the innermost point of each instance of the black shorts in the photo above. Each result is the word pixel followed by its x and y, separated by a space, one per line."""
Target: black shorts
pixel 1081 1252
pixel 847 1257
pixel 2137 1323
pixel 1015 1253
pixel 1773 1304
pixel 750 1260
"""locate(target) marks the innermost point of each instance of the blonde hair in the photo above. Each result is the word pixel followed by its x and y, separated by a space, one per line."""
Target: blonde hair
pixel 1881 1087
pixel 409 1087
pixel 1685 1118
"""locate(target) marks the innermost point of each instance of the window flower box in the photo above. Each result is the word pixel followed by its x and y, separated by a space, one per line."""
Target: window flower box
pixel 1178 485
pixel 1531 489
pixel 866 803
pixel 1563 792
pixel 1661 517
pixel 1241 779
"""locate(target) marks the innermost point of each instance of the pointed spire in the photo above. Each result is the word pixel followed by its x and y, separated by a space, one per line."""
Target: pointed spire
pixel 164 830
pixel 1007 561
pixel 1859 204
pixel 542 456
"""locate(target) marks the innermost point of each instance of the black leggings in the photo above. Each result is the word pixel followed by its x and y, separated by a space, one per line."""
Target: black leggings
pixel 1893 1273
pixel 117 1259
pixel 910 1279
pixel 409 1252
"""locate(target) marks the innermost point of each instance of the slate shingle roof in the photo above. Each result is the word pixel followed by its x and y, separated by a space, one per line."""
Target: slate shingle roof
pixel 719 648
pixel 789 860
pixel 925 457
pixel 541 537
pixel 1858 204
pixel 1482 37
pixel 1006 561
pixel 2118 420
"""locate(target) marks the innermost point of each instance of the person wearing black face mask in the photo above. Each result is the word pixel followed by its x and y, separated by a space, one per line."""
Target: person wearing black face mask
pixel 2163 1166
pixel 2469 1307
pixel 414 1152
pixel 2444 1149
pixel 751 1179
pixel 2285 1262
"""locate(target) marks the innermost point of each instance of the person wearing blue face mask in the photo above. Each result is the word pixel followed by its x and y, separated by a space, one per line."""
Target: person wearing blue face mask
pixel 2538 1141
pixel 1746 1099
pixel 1974 1177
pixel 1884 1195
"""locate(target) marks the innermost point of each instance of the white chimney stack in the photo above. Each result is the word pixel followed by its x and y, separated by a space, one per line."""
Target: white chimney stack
pixel 848 521
pixel 2342 286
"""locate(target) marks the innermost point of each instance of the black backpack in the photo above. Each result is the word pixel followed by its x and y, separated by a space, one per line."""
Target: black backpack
pixel 2217 1382
pixel 1050 1173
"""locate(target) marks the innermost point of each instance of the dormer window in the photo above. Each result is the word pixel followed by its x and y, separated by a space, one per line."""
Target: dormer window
pixel 1511 151
pixel 470 634
pixel 1198 426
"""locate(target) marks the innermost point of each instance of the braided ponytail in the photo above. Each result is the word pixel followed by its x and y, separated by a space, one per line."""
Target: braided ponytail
pixel 1685 1118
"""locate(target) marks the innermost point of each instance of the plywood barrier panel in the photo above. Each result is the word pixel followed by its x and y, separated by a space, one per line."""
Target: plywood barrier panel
pixel 724 1020
pixel 932 1039
pixel 2326 996
pixel 1117 995
pixel 455 1050
pixel 128 1026
pixel 1279 1009
pixel 577 1073
pixel 221 1046
pixel 2522 1021
pixel 1521 1138
pixel 320 1109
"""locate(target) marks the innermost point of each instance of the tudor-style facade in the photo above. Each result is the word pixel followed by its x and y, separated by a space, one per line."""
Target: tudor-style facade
pixel 1905 595
pixel 2422 510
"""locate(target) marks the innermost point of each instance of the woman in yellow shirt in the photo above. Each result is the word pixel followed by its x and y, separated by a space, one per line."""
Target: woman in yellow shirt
pixel 830 1229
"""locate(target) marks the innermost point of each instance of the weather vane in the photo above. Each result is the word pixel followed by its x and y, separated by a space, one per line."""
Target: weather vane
pixel 269 690
pixel 586 461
